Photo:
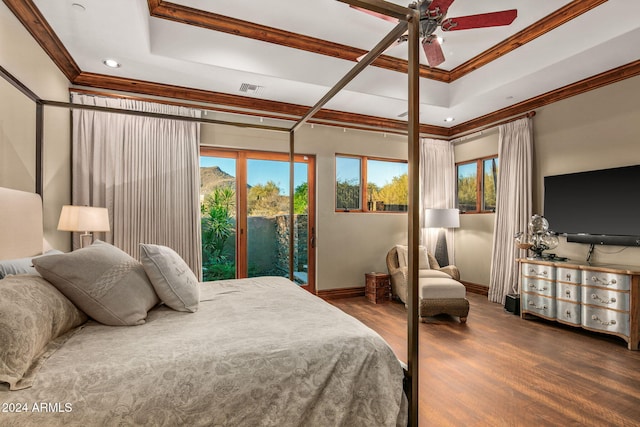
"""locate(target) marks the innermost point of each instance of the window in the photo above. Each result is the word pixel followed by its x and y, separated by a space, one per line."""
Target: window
pixel 477 185
pixel 387 188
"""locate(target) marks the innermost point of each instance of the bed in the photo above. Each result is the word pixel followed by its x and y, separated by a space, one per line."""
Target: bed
pixel 257 352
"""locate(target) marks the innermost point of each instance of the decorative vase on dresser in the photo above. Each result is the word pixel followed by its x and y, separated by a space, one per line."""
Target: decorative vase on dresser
pixel 600 298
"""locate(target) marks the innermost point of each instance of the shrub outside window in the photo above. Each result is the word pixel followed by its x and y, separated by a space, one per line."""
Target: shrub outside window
pixel 387 187
pixel 477 185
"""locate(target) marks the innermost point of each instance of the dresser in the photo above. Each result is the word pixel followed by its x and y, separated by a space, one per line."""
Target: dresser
pixel 600 298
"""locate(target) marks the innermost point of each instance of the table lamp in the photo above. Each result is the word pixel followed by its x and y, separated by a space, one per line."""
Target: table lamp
pixel 84 219
pixel 442 218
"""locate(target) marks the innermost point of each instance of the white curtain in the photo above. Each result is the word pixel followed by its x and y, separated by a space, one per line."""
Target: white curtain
pixel 513 205
pixel 145 170
pixel 437 188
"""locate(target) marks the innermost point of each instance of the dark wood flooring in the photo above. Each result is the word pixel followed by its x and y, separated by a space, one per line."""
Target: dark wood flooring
pixel 501 370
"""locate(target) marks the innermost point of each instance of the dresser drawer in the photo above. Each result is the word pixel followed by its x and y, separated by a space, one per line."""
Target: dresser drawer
pixel 621 282
pixel 539 286
pixel 568 312
pixel 568 275
pixel 605 320
pixel 538 304
pixel 541 271
pixel 568 292
pixel 605 298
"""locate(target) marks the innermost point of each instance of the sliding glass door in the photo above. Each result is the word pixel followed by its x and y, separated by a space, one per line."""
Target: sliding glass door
pixel 245 199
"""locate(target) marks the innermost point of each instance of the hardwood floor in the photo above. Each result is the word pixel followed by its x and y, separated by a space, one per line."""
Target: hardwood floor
pixel 501 370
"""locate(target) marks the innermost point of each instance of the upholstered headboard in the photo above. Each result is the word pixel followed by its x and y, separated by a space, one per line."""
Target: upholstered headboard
pixel 20 224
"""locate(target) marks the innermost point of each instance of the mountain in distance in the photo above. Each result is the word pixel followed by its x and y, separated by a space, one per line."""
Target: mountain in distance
pixel 214 177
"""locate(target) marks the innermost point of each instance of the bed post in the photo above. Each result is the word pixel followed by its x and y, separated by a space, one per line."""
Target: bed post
pixel 291 191
pixel 414 213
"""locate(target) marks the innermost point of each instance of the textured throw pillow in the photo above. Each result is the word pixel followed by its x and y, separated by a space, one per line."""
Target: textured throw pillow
pixel 21 265
pixel 103 281
pixel 32 314
pixel 403 257
pixel 171 277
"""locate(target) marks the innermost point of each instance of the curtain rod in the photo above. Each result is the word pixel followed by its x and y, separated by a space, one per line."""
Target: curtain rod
pixel 459 138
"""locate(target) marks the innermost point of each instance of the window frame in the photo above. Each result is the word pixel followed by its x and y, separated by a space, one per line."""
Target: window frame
pixel 364 206
pixel 479 183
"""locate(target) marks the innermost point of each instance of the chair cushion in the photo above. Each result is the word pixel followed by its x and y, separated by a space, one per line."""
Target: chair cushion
pixel 440 288
pixel 433 273
pixel 403 257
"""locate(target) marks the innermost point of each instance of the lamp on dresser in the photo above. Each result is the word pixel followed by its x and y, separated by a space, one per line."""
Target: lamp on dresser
pixel 442 218
pixel 84 219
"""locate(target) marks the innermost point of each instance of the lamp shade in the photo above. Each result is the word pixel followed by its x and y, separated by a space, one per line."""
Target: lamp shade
pixel 83 218
pixel 443 218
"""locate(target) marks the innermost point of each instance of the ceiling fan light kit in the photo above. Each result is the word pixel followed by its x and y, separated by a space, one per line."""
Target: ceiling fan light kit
pixel 433 15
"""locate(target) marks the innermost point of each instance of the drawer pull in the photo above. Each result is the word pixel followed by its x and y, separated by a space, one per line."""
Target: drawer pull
pixel 535 273
pixel 596 279
pixel 568 276
pixel 567 314
pixel 597 298
pixel 567 293
pixel 602 322
pixel 533 304
pixel 533 285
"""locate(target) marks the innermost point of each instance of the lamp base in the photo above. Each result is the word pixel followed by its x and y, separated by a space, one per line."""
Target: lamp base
pixel 441 253
pixel 86 239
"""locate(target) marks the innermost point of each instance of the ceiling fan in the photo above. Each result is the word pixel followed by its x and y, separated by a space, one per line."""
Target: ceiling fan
pixel 432 16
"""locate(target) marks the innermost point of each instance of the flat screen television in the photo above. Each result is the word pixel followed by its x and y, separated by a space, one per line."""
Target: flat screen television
pixel 598 207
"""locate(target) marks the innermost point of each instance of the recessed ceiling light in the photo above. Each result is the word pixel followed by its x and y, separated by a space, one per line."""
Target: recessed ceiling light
pixel 449 119
pixel 111 63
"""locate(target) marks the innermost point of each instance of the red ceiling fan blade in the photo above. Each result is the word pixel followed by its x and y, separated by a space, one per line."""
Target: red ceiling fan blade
pixel 433 50
pixel 442 5
pixel 376 14
pixel 493 19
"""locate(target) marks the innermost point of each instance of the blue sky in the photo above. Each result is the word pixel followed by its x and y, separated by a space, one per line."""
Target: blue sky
pixel 379 172
pixel 261 171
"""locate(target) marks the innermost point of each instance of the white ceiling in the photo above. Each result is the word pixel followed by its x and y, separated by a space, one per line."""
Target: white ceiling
pixel 162 51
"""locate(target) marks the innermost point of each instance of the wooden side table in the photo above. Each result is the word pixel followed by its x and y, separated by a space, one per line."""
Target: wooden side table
pixel 378 287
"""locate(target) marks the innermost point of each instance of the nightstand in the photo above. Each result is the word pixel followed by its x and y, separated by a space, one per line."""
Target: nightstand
pixel 377 287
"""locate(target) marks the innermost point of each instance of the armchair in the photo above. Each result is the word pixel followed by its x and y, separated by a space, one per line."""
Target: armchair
pixel 431 269
pixel 439 288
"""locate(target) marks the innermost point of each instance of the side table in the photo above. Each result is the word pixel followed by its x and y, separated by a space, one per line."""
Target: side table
pixel 377 287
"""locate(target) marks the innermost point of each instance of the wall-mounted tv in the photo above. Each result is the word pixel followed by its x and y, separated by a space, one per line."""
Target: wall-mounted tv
pixel 600 206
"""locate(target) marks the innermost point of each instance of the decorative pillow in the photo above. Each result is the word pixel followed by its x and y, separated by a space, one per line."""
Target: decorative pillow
pixel 103 281
pixel 32 314
pixel 171 277
pixel 21 265
pixel 403 257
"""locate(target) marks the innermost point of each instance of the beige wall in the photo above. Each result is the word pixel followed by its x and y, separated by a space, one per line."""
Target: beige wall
pixel 23 58
pixel 596 130
pixel 348 244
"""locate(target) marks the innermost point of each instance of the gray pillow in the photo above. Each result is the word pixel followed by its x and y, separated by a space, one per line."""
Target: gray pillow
pixel 21 265
pixel 33 314
pixel 171 277
pixel 103 281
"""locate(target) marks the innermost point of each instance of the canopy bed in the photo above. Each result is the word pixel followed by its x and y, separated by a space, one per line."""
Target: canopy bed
pixel 164 387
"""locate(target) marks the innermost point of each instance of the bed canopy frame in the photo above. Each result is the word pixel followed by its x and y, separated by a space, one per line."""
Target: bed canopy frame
pixel 408 19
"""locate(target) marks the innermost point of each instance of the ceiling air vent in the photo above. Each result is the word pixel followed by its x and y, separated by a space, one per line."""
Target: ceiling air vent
pixel 251 89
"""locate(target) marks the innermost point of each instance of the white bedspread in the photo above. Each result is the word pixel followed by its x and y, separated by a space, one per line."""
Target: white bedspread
pixel 259 352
